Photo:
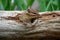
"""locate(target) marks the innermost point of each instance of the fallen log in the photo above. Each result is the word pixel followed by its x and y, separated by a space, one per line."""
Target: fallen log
pixel 47 27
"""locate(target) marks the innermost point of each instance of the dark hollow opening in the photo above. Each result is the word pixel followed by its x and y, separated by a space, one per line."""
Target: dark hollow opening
pixel 53 15
pixel 32 20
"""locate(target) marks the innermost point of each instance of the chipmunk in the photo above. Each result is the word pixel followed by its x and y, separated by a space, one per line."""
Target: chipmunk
pixel 26 18
pixel 30 17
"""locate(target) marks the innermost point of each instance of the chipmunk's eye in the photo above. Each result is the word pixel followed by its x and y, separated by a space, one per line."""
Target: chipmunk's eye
pixel 34 13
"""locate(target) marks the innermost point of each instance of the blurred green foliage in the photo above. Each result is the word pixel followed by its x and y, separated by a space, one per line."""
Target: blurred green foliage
pixel 49 5
pixel 15 5
pixel 44 5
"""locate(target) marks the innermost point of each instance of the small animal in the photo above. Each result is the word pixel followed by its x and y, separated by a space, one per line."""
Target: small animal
pixel 30 16
pixel 26 18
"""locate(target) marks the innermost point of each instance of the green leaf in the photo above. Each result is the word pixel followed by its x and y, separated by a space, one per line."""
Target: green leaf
pixel 55 2
pixel 59 4
pixel 4 2
pixel 42 5
pixel 20 4
pixel 52 5
pixel 48 6
pixel 1 5
pixel 13 5
pixel 29 3
pixel 8 5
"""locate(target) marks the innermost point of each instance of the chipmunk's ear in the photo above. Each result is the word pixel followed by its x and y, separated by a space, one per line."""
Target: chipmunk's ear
pixel 31 10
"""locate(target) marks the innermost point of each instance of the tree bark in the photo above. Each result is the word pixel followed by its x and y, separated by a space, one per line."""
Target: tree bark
pixel 10 29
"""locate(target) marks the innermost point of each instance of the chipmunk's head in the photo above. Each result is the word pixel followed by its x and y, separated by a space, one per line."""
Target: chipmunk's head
pixel 33 14
pixel 30 10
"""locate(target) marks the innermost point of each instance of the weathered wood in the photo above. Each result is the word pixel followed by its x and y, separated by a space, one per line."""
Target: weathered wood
pixel 44 28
